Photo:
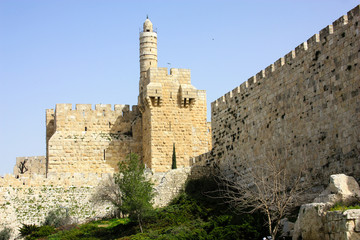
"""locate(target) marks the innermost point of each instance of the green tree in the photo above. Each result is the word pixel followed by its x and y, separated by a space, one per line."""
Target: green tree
pixel 173 166
pixel 136 192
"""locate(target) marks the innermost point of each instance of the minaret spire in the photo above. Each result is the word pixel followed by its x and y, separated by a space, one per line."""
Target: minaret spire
pixel 148 53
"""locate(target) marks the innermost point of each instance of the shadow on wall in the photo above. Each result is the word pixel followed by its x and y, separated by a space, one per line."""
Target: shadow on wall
pixel 124 138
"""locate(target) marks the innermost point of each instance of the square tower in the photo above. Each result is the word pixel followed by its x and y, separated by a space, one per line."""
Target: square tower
pixel 173 110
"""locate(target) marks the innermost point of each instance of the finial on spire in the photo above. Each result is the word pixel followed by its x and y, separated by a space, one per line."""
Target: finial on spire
pixel 147 16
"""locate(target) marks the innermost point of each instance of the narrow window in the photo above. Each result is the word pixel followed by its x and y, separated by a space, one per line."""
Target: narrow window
pixel 104 154
pixel 170 94
pixel 109 124
pixel 85 129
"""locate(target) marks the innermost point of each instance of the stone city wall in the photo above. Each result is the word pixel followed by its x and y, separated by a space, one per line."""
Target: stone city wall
pixel 167 185
pixel 342 225
pixel 302 108
pixel 85 140
pixel 28 199
pixel 31 165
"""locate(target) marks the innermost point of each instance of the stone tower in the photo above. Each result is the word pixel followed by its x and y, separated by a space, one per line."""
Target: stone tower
pixel 173 111
pixel 148 52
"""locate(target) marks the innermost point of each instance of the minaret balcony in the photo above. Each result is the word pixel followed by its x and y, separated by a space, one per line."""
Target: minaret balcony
pixel 153 94
pixel 188 94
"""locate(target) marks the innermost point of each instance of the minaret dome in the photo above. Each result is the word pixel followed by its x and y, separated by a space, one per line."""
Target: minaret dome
pixel 148 26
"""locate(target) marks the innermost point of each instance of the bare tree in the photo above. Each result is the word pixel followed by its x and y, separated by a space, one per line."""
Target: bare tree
pixel 22 166
pixel 268 185
pixel 108 192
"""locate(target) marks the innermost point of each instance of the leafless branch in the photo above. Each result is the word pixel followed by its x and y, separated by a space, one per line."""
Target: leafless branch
pixel 269 185
pixel 108 192
pixel 22 166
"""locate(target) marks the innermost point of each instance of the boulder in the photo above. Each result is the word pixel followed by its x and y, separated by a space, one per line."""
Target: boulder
pixel 342 188
pixel 312 218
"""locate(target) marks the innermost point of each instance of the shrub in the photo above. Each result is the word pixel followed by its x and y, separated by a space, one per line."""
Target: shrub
pixel 343 207
pixel 5 234
pixel 136 191
pixel 57 218
pixel 42 231
pixel 27 229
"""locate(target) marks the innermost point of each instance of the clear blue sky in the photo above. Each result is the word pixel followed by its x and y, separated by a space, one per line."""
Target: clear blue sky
pixel 86 51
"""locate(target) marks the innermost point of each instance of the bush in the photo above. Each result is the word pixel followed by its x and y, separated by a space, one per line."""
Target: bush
pixel 27 229
pixel 340 206
pixel 42 231
pixel 57 218
pixel 5 234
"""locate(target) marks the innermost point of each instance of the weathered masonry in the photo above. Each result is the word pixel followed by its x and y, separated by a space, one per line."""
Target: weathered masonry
pixel 170 111
pixel 305 106
pixel 173 110
pixel 84 145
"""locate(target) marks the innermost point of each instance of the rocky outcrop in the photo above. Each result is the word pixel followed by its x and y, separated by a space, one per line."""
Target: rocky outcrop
pixel 316 222
pixel 168 184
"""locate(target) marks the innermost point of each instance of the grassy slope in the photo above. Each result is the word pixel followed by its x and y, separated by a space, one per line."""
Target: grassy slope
pixel 192 215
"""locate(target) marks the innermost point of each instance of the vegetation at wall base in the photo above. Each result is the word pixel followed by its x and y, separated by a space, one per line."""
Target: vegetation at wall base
pixel 192 215
pixel 32 232
pixel 343 207
pixel 5 234
pixel 136 191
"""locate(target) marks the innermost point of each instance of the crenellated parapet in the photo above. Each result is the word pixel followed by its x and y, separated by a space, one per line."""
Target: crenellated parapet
pixel 302 108
pixel 307 51
pixel 84 118
pixel 178 85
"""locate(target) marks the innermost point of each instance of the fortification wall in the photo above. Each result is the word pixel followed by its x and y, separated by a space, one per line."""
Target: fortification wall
pixel 100 119
pixel 28 199
pixel 32 165
pixel 305 106
pixel 174 113
pixel 86 140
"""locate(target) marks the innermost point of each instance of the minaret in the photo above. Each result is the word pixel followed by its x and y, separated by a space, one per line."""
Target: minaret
pixel 148 53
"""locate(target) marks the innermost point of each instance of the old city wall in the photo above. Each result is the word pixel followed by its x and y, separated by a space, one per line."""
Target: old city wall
pixel 175 113
pixel 32 165
pixel 29 199
pixel 84 140
pixel 302 108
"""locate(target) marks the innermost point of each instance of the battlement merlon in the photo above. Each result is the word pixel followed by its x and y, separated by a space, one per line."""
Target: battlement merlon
pixel 85 118
pixel 313 44
pixel 67 107
pixel 182 76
